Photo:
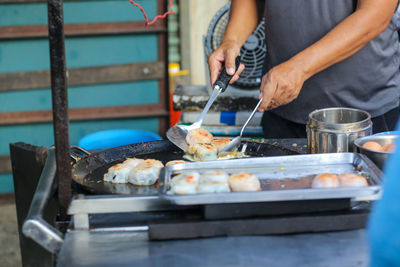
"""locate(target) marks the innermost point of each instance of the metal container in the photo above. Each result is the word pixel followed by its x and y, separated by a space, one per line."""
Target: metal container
pixel 378 157
pixel 278 169
pixel 335 129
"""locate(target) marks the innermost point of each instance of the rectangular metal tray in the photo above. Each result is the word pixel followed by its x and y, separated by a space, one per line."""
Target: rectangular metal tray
pixel 280 168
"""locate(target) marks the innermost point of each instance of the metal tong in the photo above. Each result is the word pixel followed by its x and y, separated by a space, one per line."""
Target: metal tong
pixel 177 134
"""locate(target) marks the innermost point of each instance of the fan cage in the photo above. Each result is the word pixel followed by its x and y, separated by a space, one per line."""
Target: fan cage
pixel 251 55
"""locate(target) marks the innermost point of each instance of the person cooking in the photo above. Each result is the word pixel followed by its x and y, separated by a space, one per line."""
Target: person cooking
pixel 320 54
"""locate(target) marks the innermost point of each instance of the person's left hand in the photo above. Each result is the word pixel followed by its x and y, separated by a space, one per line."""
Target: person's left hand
pixel 281 85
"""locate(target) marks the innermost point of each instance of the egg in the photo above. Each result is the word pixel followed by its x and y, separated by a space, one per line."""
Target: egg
pixel 325 180
pixel 199 136
pixel 352 180
pixel 173 162
pixel 213 187
pixel 117 174
pixel 203 152
pixel 389 148
pixel 145 173
pixel 154 162
pixel 185 183
pixel 133 162
pixel 371 145
pixel 220 143
pixel 214 176
pixel 215 181
pixel 244 182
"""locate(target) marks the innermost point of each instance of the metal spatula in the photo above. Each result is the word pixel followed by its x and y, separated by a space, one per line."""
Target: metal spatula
pixel 235 142
pixel 177 134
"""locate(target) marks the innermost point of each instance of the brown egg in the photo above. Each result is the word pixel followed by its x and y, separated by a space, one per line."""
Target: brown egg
pixel 244 182
pixel 371 145
pixel 352 180
pixel 325 180
pixel 389 148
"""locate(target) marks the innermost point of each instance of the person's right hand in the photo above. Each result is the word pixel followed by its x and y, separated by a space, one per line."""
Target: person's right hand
pixel 226 52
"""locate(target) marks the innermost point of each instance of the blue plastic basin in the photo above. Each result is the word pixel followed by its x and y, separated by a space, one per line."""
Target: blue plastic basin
pixel 115 138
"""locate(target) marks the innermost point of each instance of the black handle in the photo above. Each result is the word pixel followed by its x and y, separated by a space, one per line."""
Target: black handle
pixel 224 78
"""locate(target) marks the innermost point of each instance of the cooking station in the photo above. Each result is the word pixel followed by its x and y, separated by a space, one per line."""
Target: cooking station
pixel 128 228
pixel 76 219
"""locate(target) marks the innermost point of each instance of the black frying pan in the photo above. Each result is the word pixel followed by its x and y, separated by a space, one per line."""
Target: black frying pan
pixel 89 170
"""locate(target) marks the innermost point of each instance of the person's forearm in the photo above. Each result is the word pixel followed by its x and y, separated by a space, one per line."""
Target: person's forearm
pixel 368 21
pixel 242 22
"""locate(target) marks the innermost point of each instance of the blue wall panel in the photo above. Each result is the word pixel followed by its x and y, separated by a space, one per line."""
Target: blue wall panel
pixel 30 55
pixel 101 95
pixel 33 54
pixel 77 12
pixel 6 183
pixel 42 134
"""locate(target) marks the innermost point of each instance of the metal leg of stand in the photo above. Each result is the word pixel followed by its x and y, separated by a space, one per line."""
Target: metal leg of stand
pixel 60 102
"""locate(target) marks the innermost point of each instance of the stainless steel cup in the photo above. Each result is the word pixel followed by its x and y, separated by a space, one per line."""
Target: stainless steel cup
pixel 335 129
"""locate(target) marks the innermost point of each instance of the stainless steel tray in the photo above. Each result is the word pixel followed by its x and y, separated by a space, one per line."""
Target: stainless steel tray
pixel 280 168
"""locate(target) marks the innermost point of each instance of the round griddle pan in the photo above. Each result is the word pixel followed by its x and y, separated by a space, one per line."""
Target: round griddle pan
pixel 88 170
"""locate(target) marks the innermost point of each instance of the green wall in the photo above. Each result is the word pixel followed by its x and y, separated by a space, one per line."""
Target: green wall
pixel 76 12
pixel 33 54
pixel 132 93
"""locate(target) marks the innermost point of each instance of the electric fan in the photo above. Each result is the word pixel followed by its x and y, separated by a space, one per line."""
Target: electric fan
pixel 252 54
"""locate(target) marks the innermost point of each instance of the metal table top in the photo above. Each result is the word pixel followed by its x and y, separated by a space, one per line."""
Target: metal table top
pixel 347 248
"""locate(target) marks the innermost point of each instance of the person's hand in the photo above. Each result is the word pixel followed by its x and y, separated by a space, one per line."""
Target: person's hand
pixel 281 85
pixel 226 52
